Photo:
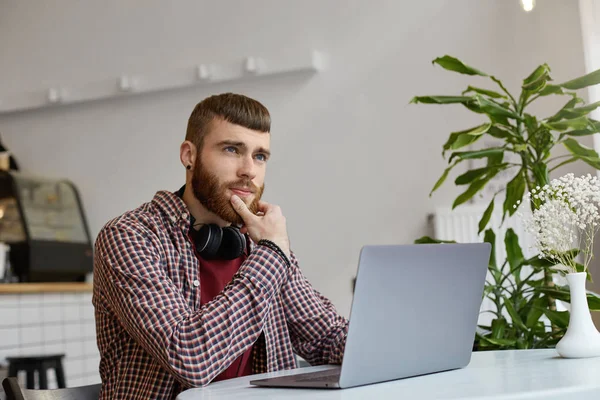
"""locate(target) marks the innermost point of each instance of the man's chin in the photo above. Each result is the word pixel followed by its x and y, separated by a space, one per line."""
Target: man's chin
pixel 231 216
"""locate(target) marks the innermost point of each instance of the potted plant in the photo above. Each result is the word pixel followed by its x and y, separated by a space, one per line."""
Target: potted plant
pixel 521 288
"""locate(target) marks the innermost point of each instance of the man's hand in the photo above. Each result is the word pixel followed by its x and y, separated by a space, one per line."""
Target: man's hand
pixel 269 225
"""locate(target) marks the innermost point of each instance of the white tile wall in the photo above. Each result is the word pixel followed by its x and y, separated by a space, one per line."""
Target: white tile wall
pixel 52 312
pixel 52 332
pixel 52 323
pixel 30 314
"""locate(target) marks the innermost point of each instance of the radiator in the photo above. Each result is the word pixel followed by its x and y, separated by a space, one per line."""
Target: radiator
pixel 462 224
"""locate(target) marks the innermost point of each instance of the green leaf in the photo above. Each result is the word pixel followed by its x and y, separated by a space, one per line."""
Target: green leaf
pixel 473 189
pixel 497 119
pixel 473 106
pixel 490 237
pixel 485 219
pixel 565 124
pixel 586 109
pixel 515 190
pixel 593 78
pixel 580 150
pixel 594 162
pixel 522 344
pixel 593 301
pixel 551 89
pixel 581 268
pixel 561 114
pixel 464 140
pixel 467 155
pixel 442 178
pixel 536 311
pixel 498 132
pixel 498 328
pixel 558 318
pixel 485 92
pixel 572 113
pixel 514 255
pixel 539 263
pixel 495 160
pixel 562 293
pixel 487 289
pixel 470 176
pixel 537 80
pixel 516 319
pixel 466 137
pixel 540 170
pixel 492 108
pixel 500 342
pixel 520 147
pixel 440 99
pixel 453 64
pixel 427 239
pixel 473 174
pixel 535 282
pixel 594 128
pixel 531 123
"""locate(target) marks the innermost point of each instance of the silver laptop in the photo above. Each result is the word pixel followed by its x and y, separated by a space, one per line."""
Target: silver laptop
pixel 414 312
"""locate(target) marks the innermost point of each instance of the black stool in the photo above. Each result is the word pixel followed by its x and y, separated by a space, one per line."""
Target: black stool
pixel 41 364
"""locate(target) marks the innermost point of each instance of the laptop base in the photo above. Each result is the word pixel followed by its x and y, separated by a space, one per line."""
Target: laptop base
pixel 328 379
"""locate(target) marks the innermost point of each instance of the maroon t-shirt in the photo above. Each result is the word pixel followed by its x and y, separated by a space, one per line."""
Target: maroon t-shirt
pixel 214 275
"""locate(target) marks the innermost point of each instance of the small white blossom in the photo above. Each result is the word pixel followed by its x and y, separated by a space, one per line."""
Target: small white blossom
pixel 567 218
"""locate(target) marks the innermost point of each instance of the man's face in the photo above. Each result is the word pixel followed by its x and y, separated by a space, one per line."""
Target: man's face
pixel 232 161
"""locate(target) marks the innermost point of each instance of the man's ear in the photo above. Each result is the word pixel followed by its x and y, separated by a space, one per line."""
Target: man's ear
pixel 187 154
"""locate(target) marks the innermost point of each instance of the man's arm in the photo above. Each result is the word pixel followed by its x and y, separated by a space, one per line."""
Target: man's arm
pixel 193 345
pixel 317 331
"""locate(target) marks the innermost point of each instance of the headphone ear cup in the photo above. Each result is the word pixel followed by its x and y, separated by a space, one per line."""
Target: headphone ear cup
pixel 208 241
pixel 233 243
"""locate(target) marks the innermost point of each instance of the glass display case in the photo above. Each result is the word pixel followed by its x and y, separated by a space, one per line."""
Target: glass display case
pixel 44 223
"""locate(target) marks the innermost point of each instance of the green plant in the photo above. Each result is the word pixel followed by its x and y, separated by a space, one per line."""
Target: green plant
pixel 521 288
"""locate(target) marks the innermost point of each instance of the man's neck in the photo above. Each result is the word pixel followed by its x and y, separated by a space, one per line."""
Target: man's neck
pixel 201 215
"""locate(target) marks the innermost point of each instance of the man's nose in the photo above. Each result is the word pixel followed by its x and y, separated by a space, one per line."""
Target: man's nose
pixel 247 168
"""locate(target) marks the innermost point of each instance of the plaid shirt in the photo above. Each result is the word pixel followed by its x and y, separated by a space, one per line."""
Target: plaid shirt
pixel 154 337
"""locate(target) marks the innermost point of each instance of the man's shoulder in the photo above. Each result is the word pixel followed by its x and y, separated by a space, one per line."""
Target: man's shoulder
pixel 142 220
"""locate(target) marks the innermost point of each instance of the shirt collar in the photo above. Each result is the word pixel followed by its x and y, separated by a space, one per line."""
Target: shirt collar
pixel 173 207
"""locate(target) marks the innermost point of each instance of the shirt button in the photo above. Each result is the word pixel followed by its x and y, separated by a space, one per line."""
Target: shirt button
pixel 184 215
pixel 196 283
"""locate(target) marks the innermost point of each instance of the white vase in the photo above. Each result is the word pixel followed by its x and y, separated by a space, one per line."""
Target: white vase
pixel 582 338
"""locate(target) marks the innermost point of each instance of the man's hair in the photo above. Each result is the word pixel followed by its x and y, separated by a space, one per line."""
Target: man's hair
pixel 233 108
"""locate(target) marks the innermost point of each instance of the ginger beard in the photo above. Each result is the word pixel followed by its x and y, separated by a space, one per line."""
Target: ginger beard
pixel 213 195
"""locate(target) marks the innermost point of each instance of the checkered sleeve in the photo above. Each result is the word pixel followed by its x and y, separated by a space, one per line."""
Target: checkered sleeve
pixel 193 345
pixel 317 331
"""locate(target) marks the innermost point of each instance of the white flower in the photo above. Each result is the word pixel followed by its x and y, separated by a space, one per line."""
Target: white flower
pixel 567 218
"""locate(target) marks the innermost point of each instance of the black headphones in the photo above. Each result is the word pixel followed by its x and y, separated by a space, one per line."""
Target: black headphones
pixel 215 243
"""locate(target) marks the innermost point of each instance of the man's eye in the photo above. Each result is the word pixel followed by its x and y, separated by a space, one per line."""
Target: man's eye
pixel 230 149
pixel 261 157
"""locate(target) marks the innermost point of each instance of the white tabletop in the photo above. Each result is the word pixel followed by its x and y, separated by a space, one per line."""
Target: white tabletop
pixel 509 374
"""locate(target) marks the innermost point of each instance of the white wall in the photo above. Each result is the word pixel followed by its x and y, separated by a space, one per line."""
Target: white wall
pixel 353 162
pixel 589 12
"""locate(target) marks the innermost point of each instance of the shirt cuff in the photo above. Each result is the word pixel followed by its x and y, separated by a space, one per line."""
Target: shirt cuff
pixel 265 267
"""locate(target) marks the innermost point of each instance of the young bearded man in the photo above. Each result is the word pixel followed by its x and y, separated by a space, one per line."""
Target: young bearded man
pixel 182 296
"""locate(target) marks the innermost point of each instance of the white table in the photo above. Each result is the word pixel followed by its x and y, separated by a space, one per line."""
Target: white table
pixel 509 374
